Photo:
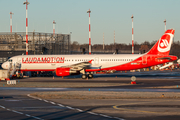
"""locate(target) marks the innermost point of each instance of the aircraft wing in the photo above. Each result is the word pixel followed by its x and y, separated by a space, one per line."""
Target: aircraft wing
pixel 79 66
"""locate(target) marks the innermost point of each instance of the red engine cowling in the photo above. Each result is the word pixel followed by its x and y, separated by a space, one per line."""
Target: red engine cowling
pixel 66 72
pixel 62 71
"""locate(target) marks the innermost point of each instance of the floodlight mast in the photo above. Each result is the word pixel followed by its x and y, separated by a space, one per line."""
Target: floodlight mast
pixel 54 28
pixel 132 35
pixel 165 24
pixel 114 40
pixel 26 3
pixel 89 32
pixel 103 41
pixel 11 21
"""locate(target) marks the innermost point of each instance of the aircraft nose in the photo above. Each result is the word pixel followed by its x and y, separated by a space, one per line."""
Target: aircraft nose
pixel 4 65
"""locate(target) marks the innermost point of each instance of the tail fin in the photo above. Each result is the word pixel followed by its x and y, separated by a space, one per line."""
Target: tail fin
pixel 163 45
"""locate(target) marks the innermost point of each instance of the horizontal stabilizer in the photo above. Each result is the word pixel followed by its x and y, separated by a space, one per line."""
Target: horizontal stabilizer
pixel 165 66
pixel 163 58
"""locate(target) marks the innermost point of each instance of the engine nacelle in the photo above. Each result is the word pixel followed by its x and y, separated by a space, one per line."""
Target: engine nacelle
pixel 65 72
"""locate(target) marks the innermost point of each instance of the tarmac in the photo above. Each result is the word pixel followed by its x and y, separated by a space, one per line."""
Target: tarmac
pixel 155 96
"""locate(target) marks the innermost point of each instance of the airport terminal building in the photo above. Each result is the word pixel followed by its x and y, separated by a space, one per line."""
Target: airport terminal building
pixel 12 44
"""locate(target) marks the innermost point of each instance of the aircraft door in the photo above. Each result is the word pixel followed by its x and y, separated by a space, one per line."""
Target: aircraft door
pixel 96 61
pixel 19 62
pixel 144 60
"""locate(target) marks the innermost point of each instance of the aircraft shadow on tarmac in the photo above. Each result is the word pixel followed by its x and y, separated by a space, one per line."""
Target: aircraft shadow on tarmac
pixel 146 74
pixel 5 97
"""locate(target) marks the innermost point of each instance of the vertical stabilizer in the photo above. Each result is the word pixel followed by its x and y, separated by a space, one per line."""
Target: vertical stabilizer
pixel 163 45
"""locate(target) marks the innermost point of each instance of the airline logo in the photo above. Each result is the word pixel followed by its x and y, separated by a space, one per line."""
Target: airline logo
pixel 165 43
pixel 43 60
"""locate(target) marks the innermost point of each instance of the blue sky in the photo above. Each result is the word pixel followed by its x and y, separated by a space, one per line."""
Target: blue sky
pixel 107 16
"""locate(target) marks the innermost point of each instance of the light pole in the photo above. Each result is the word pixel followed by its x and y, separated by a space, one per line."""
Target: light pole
pixel 132 35
pixel 11 21
pixel 165 24
pixel 89 32
pixel 54 28
pixel 26 25
pixel 114 41
pixel 103 41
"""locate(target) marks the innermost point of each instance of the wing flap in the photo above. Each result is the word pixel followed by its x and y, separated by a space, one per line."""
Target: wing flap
pixel 80 66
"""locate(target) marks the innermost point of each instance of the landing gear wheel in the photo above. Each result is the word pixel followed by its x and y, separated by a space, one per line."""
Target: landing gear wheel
pixel 84 76
pixel 90 75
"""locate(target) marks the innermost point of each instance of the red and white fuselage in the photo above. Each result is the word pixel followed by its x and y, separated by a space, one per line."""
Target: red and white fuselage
pixel 159 54
pixel 100 61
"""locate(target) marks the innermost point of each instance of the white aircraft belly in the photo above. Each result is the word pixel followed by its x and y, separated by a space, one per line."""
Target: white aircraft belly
pixel 38 66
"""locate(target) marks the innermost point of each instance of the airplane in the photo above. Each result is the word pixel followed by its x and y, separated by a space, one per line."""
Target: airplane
pixel 65 65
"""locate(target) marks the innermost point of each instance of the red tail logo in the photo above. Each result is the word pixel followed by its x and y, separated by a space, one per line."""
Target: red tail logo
pixel 164 43
pixel 163 46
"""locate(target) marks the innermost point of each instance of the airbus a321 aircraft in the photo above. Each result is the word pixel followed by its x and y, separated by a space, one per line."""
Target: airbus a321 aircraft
pixel 65 65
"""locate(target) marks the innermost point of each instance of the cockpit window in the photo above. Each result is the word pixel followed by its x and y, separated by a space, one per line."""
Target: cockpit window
pixel 10 60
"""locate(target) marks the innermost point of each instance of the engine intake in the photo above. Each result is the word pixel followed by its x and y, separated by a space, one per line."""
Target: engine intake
pixel 65 72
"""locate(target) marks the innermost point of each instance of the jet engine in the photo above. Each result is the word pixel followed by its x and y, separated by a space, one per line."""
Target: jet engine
pixel 65 71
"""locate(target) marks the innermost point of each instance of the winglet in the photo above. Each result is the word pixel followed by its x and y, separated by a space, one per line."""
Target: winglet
pixel 90 61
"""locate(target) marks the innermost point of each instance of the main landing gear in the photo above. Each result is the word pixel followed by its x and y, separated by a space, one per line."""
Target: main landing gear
pixel 84 76
pixel 90 75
